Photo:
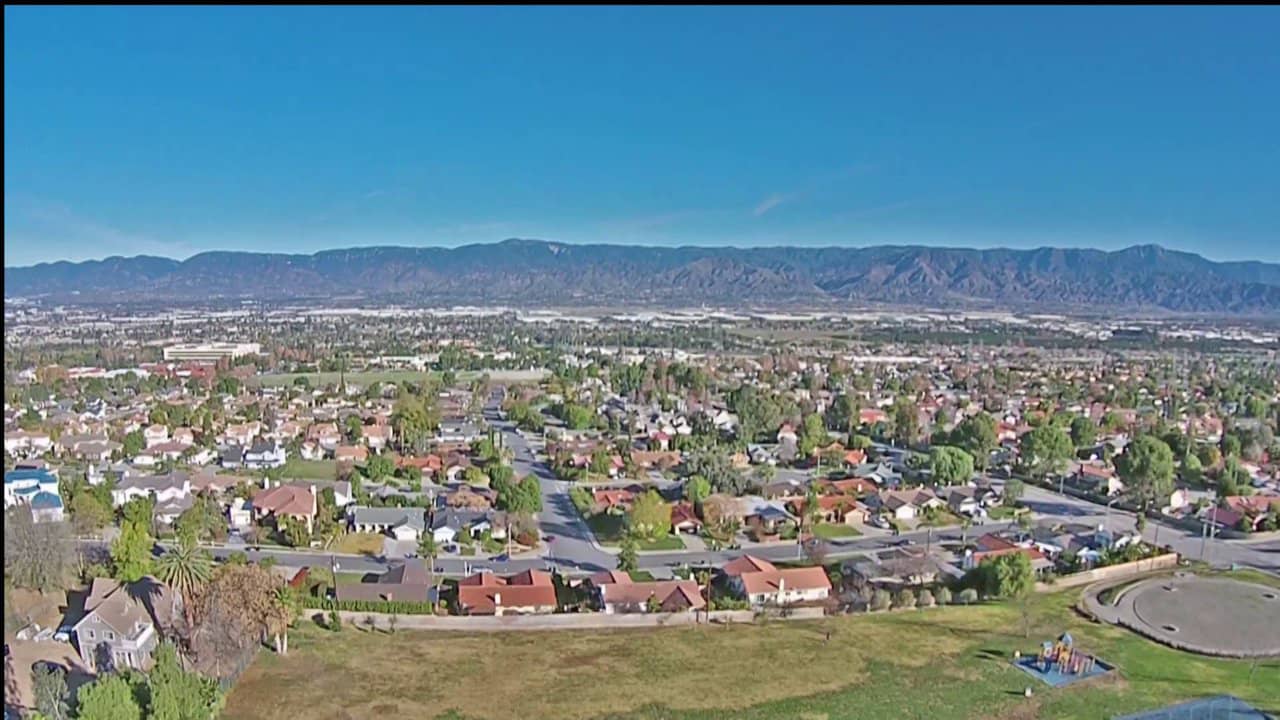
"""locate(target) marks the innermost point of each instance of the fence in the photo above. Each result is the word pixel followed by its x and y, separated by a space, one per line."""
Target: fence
pixel 1159 562
pixel 563 621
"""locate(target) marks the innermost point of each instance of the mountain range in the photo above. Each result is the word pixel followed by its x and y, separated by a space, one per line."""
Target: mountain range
pixel 535 272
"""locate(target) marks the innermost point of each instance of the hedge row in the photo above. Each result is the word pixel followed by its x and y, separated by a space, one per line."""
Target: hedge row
pixel 390 607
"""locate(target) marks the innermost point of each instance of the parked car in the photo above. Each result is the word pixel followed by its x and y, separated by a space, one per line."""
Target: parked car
pixel 47 666
pixel 64 633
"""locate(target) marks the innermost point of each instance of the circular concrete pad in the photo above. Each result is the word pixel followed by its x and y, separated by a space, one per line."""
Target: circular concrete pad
pixel 1216 616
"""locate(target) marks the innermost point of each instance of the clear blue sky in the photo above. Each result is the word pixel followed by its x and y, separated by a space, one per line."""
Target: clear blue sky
pixel 171 131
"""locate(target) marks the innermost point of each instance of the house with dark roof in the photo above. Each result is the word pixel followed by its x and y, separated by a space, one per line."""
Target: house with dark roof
pixel 409 581
pixel 402 523
pixel 121 625
pixel 615 592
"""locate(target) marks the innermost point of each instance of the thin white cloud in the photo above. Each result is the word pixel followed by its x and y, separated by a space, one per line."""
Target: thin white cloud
pixel 50 231
pixel 770 203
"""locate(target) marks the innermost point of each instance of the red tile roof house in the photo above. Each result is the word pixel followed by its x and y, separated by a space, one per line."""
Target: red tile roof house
pixel 991 546
pixel 761 583
pixel 837 509
pixel 684 518
pixel 619 500
pixel 615 593
pixel 351 453
pixel 530 593
pixel 295 501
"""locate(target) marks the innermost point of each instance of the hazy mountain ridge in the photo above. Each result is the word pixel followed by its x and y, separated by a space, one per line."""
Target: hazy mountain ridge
pixel 533 271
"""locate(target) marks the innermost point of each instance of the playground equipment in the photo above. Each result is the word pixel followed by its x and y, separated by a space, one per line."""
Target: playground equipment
pixel 1064 658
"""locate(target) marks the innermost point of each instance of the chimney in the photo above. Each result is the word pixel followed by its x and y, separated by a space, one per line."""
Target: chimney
pixel 782 586
pixel 497 604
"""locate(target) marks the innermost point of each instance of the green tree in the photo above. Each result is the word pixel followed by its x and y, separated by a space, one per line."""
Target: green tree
pixel 697 489
pixel 294 532
pixel 108 698
pixel 187 569
pixel 1046 450
pixel 1146 469
pixel 950 465
pixel 1083 432
pixel 628 557
pixel 1013 490
pixel 49 685
pixel 353 428
pixel 131 552
pixel 380 467
pixel 977 436
pixel 140 510
pixel 650 516
pixel 133 443
pixel 88 514
pixel 906 421
pixel 175 694
pixel 813 435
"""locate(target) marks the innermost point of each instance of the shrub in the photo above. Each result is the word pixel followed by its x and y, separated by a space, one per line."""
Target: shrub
pixel 880 600
pixel 942 596
pixel 926 599
pixel 905 599
pixel 335 621
pixel 968 596
pixel 403 607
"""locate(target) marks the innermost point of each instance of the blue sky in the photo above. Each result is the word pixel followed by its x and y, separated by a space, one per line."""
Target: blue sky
pixel 170 131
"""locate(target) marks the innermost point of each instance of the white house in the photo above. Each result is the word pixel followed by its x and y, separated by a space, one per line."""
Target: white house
pixel 167 489
pixel 266 454
pixel 23 443
pixel 155 434
pixel 761 583
pixel 407 523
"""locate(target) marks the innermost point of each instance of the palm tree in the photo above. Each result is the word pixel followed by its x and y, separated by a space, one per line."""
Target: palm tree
pixel 284 610
pixel 186 569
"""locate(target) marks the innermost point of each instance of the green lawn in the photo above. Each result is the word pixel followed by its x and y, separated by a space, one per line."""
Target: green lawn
pixel 943 663
pixel 608 530
pixel 641 575
pixel 940 518
pixel 1003 512
pixel 296 467
pixel 830 531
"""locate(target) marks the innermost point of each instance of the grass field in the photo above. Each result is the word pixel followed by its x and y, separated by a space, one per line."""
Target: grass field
pixel 944 663
pixel 296 467
pixel 829 531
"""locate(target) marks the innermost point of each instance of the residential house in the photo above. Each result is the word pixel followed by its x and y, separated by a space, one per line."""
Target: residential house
pixel 905 504
pixel 20 486
pixel 265 454
pixel 293 500
pixel 836 510
pixel 409 581
pixel 970 500
pixel 25 443
pixel 241 434
pixel 121 624
pixel 655 460
pixel 684 519
pixel 240 514
pixel 351 453
pixel 615 592
pixel 894 570
pixel 529 593
pixel 765 517
pixel 154 435
pixel 855 486
pixel 613 499
pixel 402 523
pixel 448 524
pixel 377 437
pixel 761 583
pixel 991 546
pixel 1099 479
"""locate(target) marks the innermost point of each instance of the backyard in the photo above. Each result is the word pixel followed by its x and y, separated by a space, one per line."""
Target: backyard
pixel 297 468
pixel 949 662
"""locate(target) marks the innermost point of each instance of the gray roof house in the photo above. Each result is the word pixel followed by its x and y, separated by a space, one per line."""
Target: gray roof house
pixel 407 582
pixel 122 623
pixel 406 523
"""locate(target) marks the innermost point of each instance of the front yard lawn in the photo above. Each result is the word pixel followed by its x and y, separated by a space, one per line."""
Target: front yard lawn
pixel 356 543
pixel 608 529
pixel 951 662
pixel 1003 512
pixel 829 531
pixel 296 467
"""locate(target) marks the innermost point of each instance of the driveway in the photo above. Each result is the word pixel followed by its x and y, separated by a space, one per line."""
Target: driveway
pixel 28 652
